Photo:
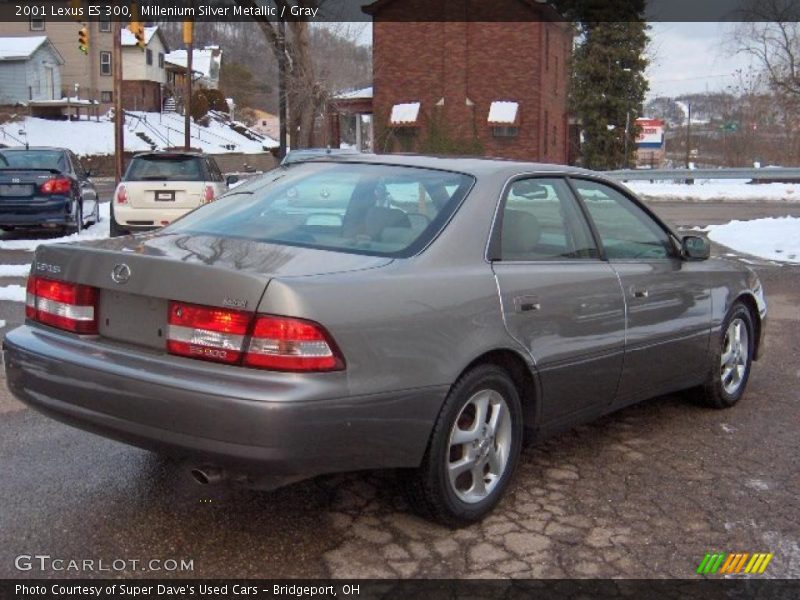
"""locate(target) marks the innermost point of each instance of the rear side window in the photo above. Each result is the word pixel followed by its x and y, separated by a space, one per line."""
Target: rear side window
pixel 378 210
pixel 166 168
pixel 542 221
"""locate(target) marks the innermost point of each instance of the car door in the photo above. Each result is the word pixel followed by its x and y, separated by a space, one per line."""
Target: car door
pixel 667 299
pixel 559 299
pixel 88 191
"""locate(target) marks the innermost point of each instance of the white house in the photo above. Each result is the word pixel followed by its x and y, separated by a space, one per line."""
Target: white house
pixel 143 71
pixel 206 63
pixel 30 69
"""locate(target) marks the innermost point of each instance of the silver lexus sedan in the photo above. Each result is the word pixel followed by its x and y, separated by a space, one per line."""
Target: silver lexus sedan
pixel 383 312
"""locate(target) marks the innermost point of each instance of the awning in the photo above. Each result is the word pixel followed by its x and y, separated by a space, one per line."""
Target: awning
pixel 405 115
pixel 503 113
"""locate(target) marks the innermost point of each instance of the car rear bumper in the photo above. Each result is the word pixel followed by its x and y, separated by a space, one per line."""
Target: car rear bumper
pixel 52 213
pixel 144 218
pixel 280 424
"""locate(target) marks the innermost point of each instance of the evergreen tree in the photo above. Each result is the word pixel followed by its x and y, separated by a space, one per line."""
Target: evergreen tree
pixel 608 85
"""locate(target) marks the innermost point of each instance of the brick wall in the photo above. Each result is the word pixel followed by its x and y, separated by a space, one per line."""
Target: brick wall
pixel 457 68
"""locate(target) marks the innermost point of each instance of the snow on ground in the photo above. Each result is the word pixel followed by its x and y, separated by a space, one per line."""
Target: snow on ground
pixel 2 323
pixel 717 190
pixel 90 137
pixel 14 270
pixel 98 231
pixel 773 239
pixel 15 293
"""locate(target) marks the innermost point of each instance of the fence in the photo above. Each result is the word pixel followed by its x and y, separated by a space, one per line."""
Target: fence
pixel 776 174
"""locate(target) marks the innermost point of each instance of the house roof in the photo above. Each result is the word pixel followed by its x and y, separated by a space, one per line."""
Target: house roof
pixel 203 60
pixel 21 48
pixel 128 39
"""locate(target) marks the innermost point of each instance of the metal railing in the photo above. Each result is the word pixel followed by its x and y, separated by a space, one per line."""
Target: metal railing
pixel 764 174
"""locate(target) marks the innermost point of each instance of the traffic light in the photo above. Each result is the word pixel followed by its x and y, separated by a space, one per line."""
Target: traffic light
pixel 83 39
pixel 188 32
pixel 136 27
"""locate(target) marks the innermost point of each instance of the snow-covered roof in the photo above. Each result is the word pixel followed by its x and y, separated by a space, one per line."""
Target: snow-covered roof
pixel 20 48
pixel 128 39
pixel 405 114
pixel 362 94
pixel 503 112
pixel 203 60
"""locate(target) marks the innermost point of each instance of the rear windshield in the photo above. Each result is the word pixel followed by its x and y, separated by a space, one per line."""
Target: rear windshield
pixel 33 159
pixel 166 168
pixel 370 209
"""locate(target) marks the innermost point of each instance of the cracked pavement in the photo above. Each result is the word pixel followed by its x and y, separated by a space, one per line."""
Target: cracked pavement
pixel 642 493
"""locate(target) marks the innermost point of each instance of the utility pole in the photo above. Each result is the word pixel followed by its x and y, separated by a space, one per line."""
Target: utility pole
pixel 688 133
pixel 282 88
pixel 188 39
pixel 119 116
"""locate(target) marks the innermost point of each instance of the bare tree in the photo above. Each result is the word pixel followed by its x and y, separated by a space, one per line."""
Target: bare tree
pixel 771 35
pixel 305 96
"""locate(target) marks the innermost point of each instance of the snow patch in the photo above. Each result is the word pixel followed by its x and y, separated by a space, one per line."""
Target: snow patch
pixel 775 239
pixel 15 270
pixel 757 484
pixel 705 190
pixel 728 428
pixel 2 323
pixel 15 293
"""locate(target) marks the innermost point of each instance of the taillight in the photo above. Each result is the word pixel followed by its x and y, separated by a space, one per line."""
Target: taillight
pixel 241 338
pixel 208 194
pixel 284 344
pixel 121 195
pixel 59 185
pixel 207 333
pixel 68 306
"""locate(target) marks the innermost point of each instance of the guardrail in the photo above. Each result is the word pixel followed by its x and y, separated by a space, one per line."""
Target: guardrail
pixel 765 174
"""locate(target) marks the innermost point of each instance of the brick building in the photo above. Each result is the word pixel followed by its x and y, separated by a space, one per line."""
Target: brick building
pixel 469 83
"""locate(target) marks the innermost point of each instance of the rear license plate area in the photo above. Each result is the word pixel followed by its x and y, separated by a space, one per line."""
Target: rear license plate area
pixel 14 190
pixel 165 196
pixel 133 318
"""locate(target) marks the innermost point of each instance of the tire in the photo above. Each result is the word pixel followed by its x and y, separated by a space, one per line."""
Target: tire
pixel 730 360
pixel 77 226
pixel 113 227
pixel 490 451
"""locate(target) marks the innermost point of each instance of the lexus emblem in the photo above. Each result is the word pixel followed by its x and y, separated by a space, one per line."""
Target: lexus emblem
pixel 121 273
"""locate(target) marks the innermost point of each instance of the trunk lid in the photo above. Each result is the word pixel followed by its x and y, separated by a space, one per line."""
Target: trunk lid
pixel 20 187
pixel 211 271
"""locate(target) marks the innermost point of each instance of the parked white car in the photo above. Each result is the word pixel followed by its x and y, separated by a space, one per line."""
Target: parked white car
pixel 159 187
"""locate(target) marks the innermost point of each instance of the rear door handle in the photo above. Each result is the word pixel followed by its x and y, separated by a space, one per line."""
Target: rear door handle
pixel 639 292
pixel 526 304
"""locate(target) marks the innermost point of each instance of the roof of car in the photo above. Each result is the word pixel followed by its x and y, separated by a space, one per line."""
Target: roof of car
pixel 469 165
pixel 168 153
pixel 24 149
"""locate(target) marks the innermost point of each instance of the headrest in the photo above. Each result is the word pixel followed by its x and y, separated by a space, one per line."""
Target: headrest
pixel 521 232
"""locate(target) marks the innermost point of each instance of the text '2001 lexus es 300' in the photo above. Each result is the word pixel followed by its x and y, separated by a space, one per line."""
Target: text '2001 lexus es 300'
pixel 383 312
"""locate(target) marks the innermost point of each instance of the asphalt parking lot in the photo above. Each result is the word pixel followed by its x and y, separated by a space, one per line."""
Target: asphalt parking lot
pixel 645 492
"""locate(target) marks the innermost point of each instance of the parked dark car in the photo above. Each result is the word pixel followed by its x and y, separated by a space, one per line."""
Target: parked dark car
pixel 447 306
pixel 45 188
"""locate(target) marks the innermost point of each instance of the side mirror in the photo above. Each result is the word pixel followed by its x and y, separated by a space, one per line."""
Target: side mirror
pixel 695 247
pixel 231 179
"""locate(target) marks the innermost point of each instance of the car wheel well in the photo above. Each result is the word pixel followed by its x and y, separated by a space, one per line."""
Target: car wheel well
pixel 750 304
pixel 520 374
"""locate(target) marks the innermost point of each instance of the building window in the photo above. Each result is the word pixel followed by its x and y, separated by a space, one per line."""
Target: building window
pixel 149 56
pixel 505 131
pixel 160 60
pixel 546 49
pixel 37 24
pixel 105 63
pixel 104 24
pixel 106 97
